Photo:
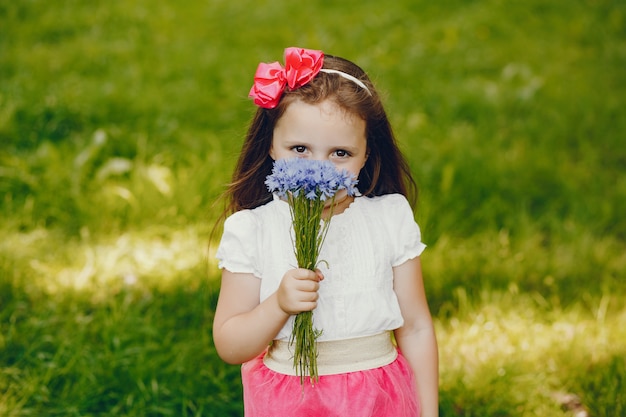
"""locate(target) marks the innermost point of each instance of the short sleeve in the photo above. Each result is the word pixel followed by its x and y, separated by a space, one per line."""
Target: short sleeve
pixel 406 235
pixel 237 251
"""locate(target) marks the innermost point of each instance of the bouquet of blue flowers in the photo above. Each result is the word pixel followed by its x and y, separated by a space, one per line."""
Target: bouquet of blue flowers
pixel 307 185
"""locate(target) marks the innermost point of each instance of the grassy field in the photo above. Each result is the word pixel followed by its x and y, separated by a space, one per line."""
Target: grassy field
pixel 120 123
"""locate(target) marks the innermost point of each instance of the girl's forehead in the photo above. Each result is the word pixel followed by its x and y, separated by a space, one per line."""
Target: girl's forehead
pixel 319 125
pixel 326 110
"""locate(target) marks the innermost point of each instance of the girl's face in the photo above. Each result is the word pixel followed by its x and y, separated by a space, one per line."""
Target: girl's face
pixel 321 131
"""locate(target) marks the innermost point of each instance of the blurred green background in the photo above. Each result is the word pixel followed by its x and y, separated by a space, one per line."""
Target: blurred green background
pixel 120 123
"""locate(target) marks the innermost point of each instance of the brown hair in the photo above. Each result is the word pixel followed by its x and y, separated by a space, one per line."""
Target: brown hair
pixel 386 171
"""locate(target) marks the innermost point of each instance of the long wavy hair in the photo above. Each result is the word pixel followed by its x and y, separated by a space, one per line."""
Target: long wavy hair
pixel 386 170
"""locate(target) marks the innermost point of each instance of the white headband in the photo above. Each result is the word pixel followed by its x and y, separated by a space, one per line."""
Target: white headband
pixel 347 77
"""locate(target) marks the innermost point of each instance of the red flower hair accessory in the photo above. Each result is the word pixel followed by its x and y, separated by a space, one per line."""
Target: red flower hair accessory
pixel 301 65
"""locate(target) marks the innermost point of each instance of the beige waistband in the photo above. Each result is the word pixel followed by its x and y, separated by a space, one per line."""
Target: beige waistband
pixel 337 357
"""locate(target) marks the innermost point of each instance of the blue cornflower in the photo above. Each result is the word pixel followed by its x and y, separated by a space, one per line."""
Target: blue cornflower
pixel 311 178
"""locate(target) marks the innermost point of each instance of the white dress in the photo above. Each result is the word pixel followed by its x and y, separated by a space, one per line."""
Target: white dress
pixel 363 244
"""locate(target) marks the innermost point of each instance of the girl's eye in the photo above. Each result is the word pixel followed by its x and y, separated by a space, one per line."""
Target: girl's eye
pixel 341 153
pixel 299 149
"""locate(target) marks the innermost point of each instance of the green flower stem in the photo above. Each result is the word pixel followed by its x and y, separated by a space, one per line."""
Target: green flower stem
pixel 309 234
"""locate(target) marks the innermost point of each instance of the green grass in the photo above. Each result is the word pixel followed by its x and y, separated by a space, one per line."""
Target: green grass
pixel 120 123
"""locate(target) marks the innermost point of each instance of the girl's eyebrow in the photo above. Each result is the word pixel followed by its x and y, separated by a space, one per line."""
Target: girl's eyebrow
pixel 291 142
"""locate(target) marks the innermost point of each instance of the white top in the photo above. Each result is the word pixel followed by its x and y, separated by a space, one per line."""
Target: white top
pixel 363 244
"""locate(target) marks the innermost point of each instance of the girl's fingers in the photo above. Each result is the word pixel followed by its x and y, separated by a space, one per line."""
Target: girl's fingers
pixel 298 291
pixel 307 274
pixel 319 274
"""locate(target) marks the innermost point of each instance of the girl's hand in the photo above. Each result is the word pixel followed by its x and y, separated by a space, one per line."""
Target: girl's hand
pixel 298 290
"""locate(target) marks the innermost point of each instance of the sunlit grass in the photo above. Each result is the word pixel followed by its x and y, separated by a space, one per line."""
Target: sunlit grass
pixel 510 345
pixel 152 257
pixel 510 353
pixel 572 267
pixel 119 326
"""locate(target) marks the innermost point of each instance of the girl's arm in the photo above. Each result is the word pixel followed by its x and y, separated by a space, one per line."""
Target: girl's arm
pixel 243 327
pixel 416 338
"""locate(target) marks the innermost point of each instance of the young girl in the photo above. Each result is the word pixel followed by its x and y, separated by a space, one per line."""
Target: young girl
pixel 370 285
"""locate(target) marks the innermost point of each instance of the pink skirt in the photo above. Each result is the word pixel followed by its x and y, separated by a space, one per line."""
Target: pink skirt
pixel 388 391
